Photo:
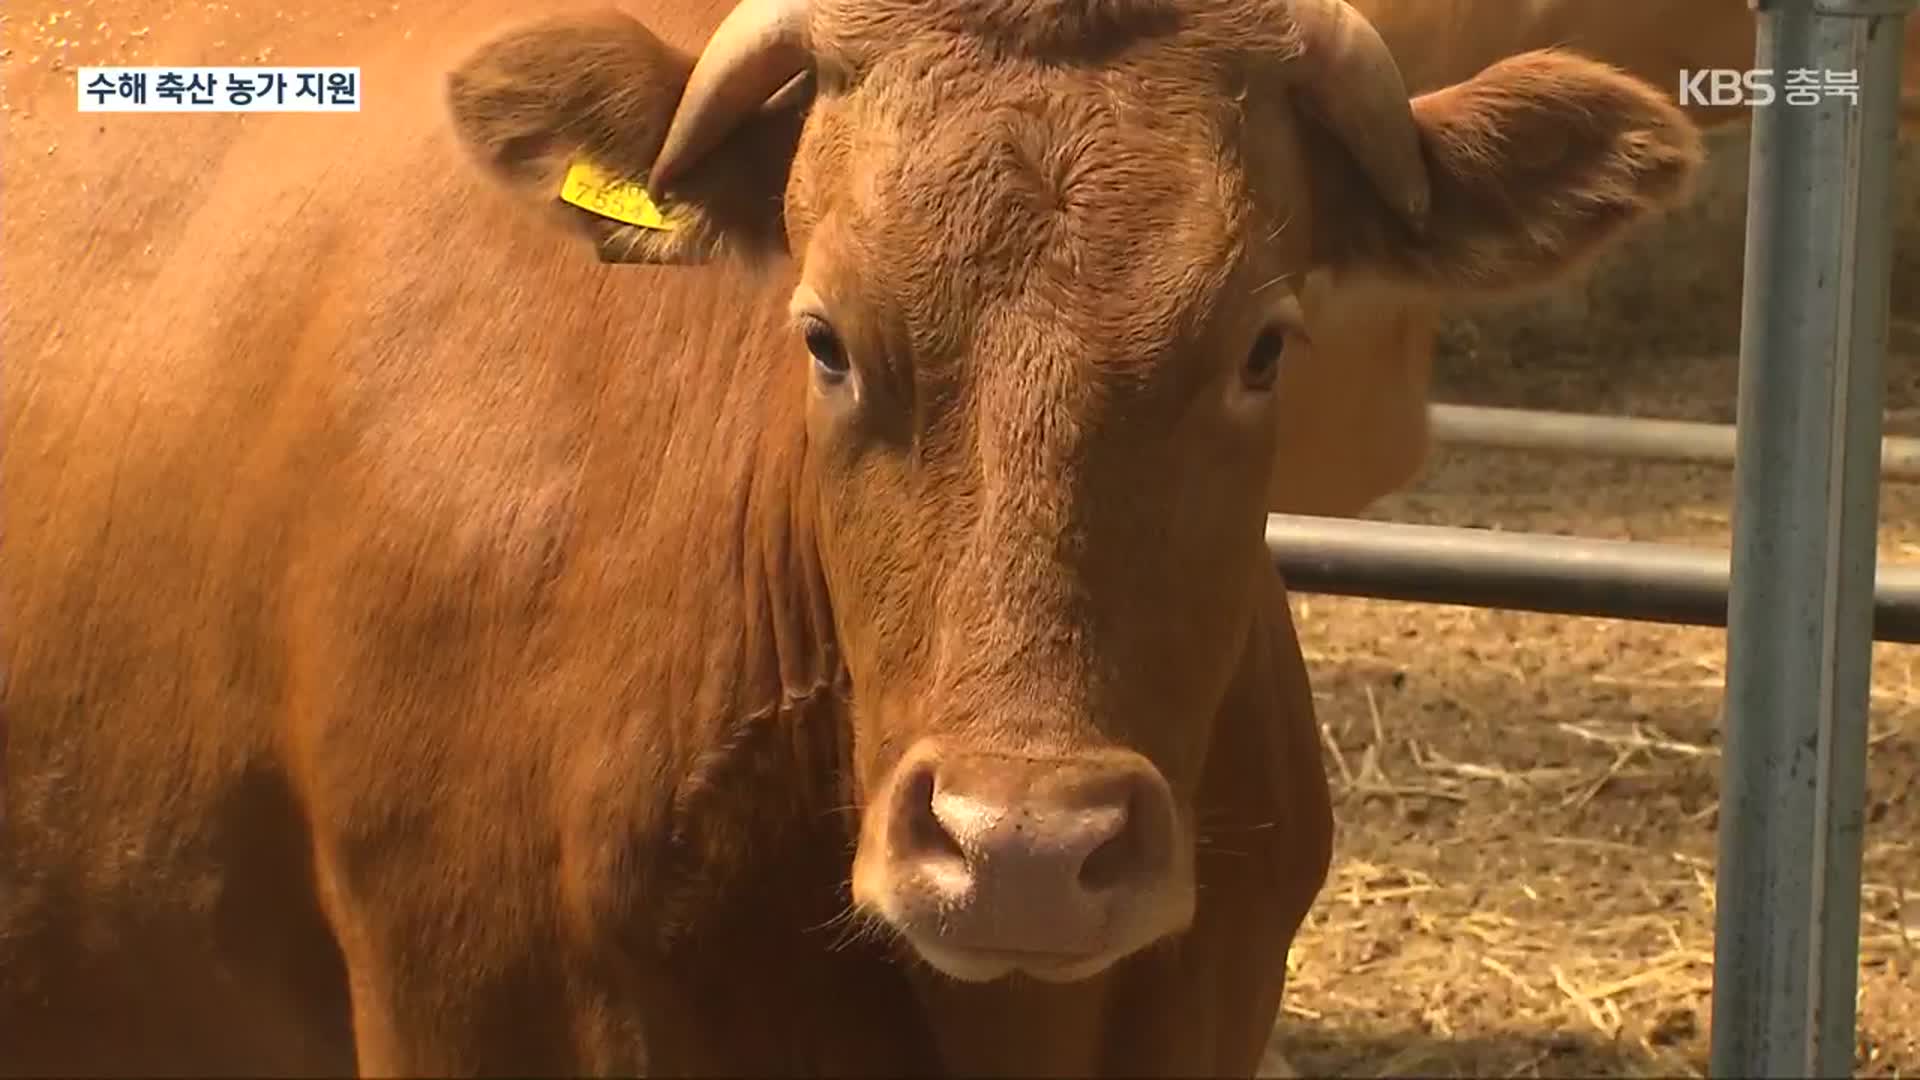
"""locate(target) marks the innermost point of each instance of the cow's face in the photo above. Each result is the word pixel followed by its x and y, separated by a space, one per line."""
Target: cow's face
pixel 1049 262
pixel 1042 358
pixel 1046 294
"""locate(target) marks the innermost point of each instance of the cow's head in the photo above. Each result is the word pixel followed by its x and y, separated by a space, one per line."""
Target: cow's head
pixel 1049 260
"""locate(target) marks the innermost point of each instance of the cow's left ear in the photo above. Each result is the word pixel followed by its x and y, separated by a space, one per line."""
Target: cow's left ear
pixel 570 112
pixel 1537 165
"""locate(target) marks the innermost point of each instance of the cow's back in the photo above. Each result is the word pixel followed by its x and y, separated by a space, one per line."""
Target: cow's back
pixel 307 432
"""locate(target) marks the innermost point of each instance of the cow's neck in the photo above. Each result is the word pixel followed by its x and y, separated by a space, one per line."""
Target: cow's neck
pixel 744 709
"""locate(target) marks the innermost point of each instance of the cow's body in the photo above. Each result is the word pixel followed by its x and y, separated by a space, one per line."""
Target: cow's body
pixel 419 657
pixel 511 612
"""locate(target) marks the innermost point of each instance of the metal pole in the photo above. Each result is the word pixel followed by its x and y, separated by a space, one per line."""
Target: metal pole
pixel 1799 636
pixel 1679 441
pixel 1558 575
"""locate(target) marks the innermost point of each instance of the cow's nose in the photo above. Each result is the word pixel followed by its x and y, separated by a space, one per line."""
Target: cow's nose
pixel 1021 856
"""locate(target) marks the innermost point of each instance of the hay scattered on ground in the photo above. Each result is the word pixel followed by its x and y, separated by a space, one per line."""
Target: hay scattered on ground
pixel 1523 883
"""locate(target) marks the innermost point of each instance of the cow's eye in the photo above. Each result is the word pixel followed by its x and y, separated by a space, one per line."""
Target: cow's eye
pixel 829 355
pixel 1263 359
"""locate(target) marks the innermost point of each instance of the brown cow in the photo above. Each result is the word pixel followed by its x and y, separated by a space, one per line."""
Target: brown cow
pixel 433 650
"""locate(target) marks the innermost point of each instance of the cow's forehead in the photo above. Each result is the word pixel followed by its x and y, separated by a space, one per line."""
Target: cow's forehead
pixel 856 32
pixel 1107 202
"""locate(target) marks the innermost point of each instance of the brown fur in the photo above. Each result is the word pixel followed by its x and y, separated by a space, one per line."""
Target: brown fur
pixel 434 651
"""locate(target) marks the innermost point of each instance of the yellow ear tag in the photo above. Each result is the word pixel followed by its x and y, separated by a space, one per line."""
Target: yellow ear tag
pixel 591 188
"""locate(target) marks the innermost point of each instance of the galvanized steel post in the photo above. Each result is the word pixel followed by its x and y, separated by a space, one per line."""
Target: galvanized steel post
pixel 1813 335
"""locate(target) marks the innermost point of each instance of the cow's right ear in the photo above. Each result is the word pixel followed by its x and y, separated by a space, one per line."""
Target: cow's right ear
pixel 1538 165
pixel 569 113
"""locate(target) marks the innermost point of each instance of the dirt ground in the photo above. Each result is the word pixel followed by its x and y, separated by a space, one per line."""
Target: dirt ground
pixel 1526 804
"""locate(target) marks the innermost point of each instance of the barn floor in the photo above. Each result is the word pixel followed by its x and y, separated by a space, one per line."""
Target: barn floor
pixel 1523 873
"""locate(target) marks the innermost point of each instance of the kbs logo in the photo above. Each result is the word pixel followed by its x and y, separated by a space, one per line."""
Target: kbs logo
pixel 1754 87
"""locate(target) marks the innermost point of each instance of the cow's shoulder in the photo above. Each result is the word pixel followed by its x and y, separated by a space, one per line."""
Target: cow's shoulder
pixel 495 525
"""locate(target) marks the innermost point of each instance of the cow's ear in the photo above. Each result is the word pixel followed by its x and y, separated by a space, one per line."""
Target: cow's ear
pixel 1537 165
pixel 569 113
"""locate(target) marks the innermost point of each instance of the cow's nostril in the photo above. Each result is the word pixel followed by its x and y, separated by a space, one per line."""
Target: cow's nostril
pixel 1109 864
pixel 925 836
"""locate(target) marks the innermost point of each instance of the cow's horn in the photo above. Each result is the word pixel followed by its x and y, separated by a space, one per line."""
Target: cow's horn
pixel 1348 77
pixel 758 49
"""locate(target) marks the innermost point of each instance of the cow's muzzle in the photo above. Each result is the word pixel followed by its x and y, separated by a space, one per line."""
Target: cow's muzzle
pixel 1055 866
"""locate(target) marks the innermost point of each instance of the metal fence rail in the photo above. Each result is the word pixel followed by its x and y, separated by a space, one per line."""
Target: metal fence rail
pixel 1558 575
pixel 1677 441
pixel 1805 523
